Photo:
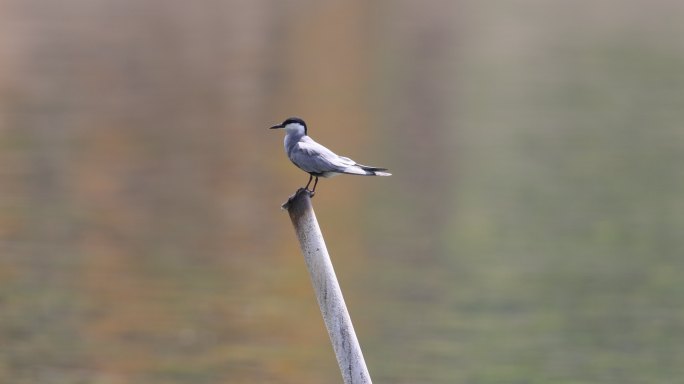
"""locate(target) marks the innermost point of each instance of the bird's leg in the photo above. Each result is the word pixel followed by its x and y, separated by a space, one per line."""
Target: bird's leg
pixel 313 191
pixel 307 184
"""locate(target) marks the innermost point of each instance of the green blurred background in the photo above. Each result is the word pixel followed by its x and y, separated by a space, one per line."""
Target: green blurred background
pixel 533 231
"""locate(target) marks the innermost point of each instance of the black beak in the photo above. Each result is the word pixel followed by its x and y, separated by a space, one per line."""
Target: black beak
pixel 277 126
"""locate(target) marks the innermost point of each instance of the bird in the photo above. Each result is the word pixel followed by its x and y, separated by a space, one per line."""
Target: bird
pixel 317 160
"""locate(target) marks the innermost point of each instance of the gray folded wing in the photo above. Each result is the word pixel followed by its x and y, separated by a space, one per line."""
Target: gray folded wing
pixel 315 158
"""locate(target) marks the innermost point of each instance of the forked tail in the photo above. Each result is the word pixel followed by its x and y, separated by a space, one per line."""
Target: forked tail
pixel 374 171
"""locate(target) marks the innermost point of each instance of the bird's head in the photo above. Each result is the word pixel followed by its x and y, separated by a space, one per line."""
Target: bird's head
pixel 292 124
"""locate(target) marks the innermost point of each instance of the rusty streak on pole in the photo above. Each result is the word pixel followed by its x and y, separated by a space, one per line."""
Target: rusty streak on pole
pixel 328 293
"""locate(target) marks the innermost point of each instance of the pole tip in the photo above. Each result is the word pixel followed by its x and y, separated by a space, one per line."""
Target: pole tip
pixel 293 199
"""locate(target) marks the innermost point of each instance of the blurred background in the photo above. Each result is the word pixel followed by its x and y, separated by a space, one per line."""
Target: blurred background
pixel 533 231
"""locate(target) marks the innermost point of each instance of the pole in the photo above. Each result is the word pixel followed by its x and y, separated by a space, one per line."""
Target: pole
pixel 328 293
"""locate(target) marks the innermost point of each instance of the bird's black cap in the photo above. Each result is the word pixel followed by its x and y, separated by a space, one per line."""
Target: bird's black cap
pixel 291 120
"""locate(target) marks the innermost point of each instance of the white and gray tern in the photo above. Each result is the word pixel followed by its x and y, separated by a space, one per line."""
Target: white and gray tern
pixel 317 160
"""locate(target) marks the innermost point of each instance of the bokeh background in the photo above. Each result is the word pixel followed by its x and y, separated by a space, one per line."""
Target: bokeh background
pixel 533 231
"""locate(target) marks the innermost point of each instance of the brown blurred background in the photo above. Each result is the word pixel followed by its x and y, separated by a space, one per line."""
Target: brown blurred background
pixel 532 231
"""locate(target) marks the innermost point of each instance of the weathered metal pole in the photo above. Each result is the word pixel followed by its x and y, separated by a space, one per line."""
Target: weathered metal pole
pixel 328 293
